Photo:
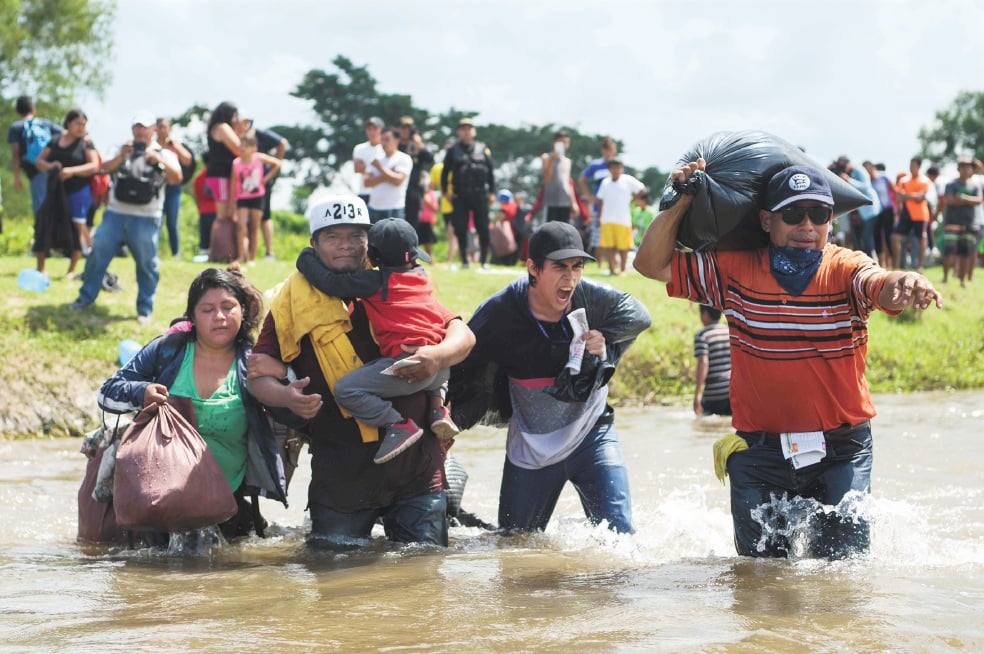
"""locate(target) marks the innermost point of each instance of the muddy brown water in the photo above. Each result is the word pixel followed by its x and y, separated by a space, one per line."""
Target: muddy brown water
pixel 674 586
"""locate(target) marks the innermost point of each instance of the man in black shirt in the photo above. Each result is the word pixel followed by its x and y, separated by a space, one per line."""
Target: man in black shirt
pixel 423 159
pixel 470 164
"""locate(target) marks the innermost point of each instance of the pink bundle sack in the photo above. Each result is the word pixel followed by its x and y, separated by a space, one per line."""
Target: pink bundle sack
pixel 166 477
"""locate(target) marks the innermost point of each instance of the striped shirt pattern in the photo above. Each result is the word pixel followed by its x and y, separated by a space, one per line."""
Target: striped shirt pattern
pixel 797 361
pixel 713 341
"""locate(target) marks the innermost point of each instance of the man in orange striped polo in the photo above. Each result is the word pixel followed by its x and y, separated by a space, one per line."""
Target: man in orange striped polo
pixel 797 312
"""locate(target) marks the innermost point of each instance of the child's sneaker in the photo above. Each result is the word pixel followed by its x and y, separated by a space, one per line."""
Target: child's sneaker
pixel 399 436
pixel 442 425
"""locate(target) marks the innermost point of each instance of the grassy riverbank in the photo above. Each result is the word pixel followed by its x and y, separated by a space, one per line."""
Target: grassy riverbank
pixel 55 359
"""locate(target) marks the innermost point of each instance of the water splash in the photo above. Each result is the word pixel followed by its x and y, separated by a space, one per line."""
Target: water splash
pixel 799 525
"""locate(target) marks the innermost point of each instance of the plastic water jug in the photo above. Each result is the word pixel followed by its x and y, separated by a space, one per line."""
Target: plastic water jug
pixel 128 350
pixel 30 279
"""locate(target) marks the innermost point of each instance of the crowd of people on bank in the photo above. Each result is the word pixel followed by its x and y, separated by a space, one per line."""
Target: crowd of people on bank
pixel 357 356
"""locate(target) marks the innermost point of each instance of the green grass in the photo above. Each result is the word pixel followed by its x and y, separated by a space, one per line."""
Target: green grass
pixel 55 359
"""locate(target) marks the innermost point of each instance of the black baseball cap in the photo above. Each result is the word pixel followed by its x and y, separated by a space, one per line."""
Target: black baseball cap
pixel 556 241
pixel 393 242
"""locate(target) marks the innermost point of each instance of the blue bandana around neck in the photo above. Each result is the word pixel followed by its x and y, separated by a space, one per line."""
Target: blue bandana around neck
pixel 793 268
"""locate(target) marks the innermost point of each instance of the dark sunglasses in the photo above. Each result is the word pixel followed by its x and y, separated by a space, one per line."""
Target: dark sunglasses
pixel 818 215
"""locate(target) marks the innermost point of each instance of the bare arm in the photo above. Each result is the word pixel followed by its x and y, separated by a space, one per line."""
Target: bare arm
pixel 172 169
pixel 703 365
pixel 656 250
pixel 185 157
pixel 224 134
pixel 88 169
pixel 274 165
pixel 263 381
pixel 15 161
pixel 904 289
pixel 388 175
pixel 457 343
pixel 547 165
pixel 582 183
pixel 42 162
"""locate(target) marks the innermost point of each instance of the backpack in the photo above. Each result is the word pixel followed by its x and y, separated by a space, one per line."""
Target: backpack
pixel 99 182
pixel 137 182
pixel 471 173
pixel 188 172
pixel 37 136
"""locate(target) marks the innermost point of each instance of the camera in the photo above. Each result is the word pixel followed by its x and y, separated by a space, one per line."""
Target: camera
pixel 139 147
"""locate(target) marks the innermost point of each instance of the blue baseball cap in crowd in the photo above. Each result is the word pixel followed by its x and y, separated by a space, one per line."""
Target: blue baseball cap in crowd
pixel 505 195
pixel 794 184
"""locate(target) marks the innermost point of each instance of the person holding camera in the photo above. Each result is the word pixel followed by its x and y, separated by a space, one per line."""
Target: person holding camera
pixel 133 216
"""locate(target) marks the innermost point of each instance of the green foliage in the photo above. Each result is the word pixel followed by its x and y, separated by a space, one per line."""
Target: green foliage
pixel 191 124
pixel 344 98
pixel 957 130
pixel 51 50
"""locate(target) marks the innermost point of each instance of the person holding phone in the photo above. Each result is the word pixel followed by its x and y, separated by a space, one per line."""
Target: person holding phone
pixel 558 189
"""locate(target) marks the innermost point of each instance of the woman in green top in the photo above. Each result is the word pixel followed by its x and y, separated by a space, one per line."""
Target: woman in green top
pixel 203 357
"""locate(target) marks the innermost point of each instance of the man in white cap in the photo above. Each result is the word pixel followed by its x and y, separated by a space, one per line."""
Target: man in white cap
pixel 133 215
pixel 310 340
pixel 798 312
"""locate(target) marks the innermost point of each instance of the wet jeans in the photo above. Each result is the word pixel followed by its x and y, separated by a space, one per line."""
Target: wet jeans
pixel 420 519
pixel 761 472
pixel 597 471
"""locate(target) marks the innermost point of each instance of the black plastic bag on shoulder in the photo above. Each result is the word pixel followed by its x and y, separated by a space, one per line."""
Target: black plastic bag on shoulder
pixel 727 195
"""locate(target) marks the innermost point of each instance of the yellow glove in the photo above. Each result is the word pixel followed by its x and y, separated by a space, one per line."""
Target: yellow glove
pixel 723 448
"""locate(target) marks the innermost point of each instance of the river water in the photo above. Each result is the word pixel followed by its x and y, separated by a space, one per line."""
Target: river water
pixel 674 586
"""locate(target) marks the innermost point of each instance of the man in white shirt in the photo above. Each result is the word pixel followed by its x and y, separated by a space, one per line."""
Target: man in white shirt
pixel 615 196
pixel 365 152
pixel 387 178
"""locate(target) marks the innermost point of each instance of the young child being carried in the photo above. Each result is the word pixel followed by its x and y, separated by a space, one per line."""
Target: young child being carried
pixel 402 310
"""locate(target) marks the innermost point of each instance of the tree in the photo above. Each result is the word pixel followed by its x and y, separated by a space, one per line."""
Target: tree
pixel 190 128
pixel 52 49
pixel 343 98
pixel 956 130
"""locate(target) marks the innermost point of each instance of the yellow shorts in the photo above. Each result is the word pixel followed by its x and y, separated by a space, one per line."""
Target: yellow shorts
pixel 616 237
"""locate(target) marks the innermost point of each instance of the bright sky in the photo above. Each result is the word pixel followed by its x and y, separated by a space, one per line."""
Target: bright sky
pixel 834 76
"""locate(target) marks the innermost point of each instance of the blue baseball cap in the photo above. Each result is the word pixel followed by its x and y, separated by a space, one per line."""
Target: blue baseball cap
pixel 794 184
